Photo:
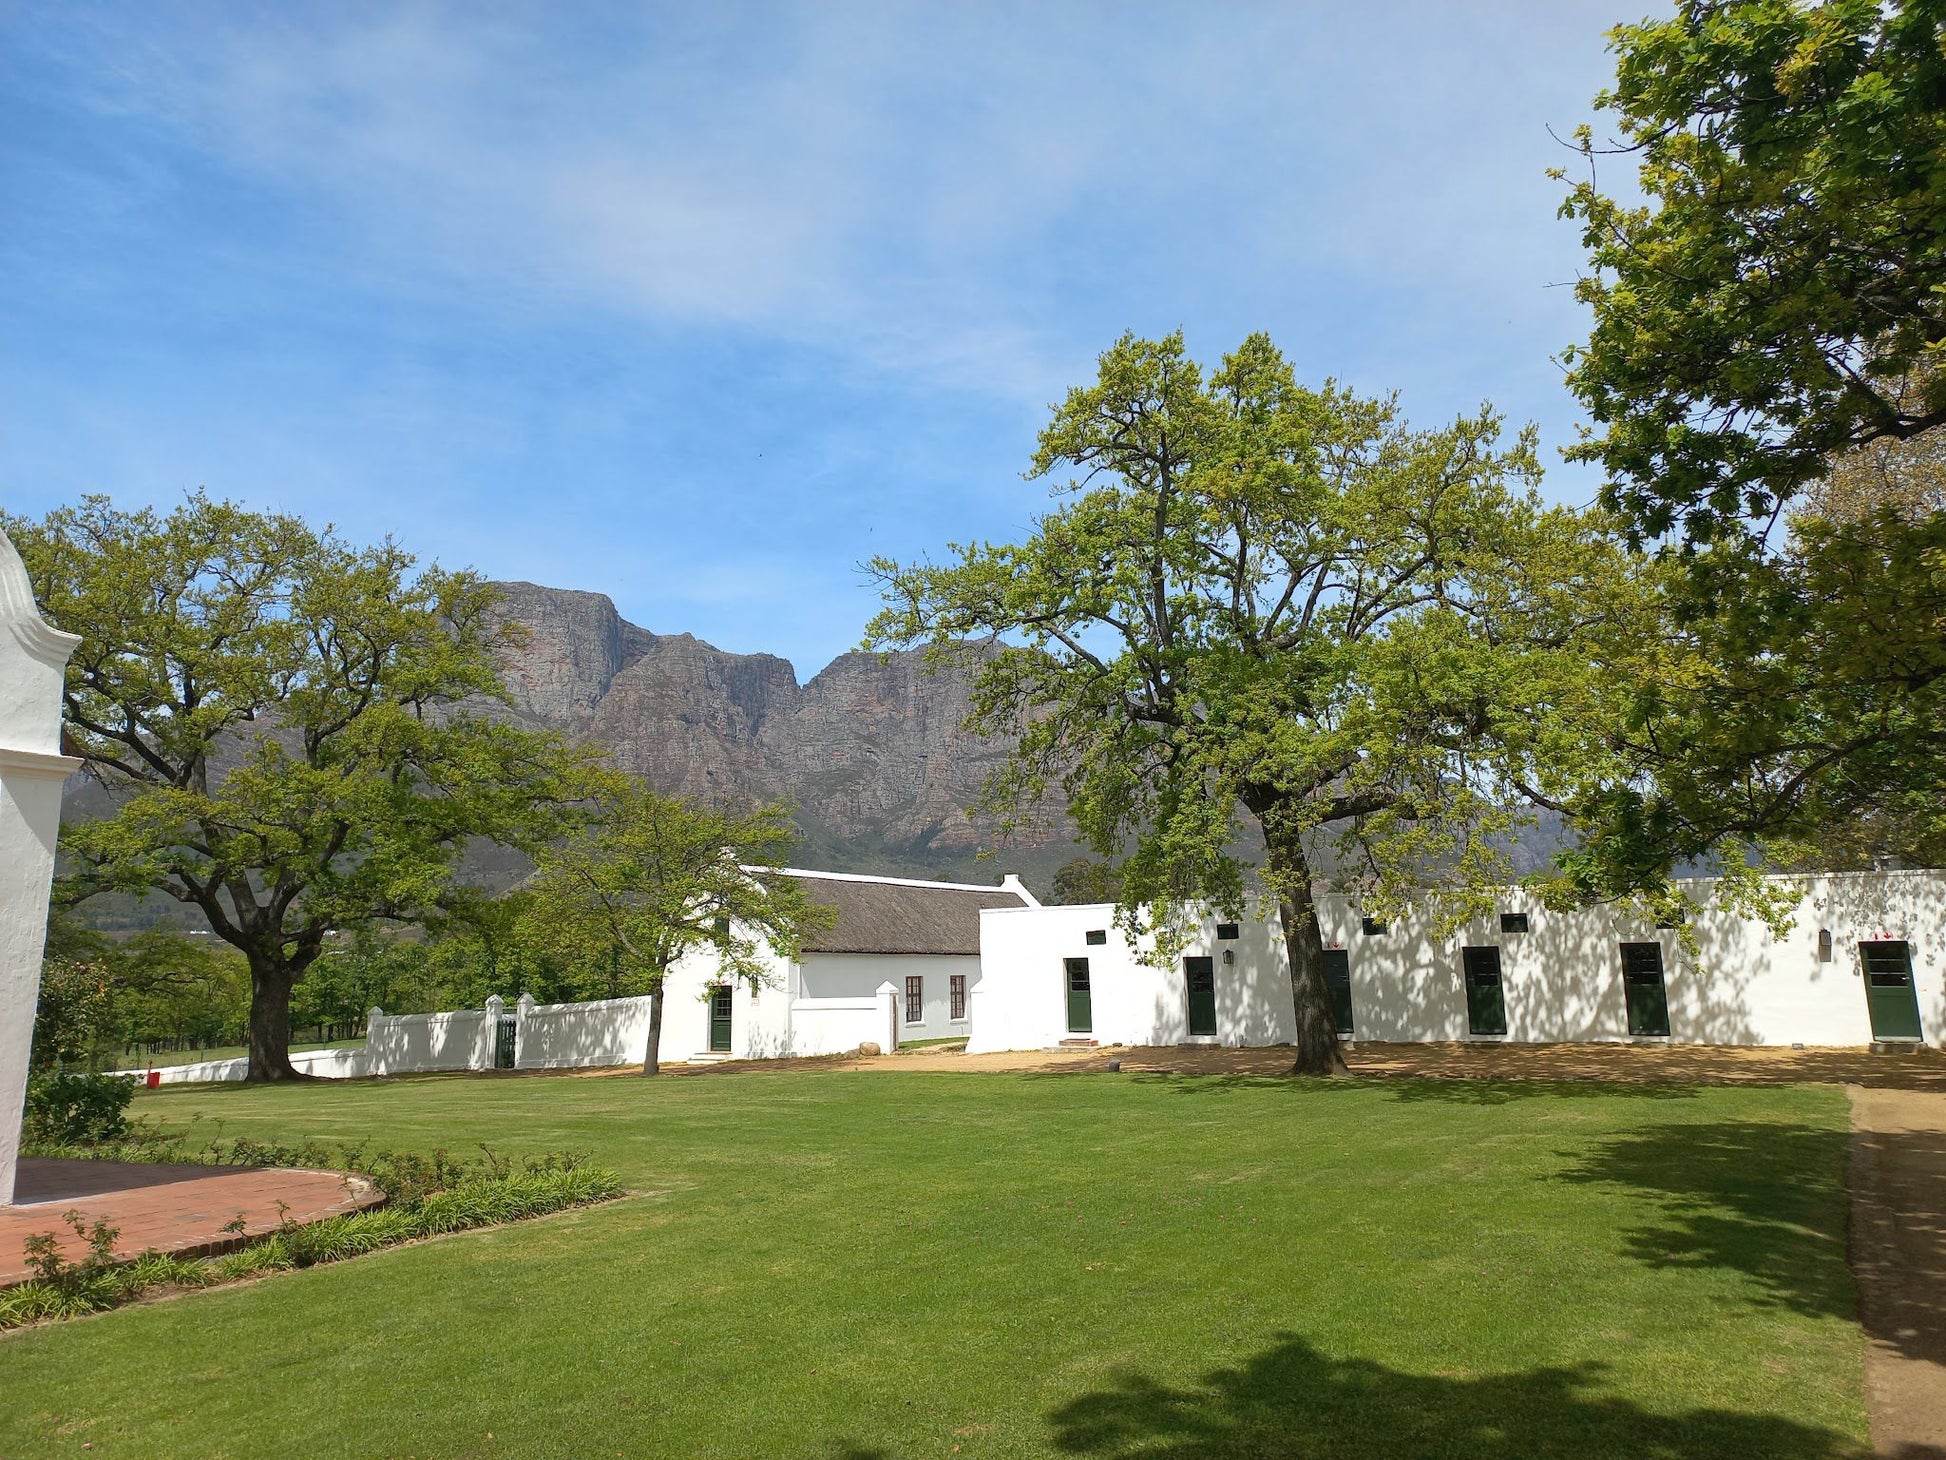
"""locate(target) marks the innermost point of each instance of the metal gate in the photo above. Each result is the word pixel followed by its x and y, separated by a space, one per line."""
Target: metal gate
pixel 503 1041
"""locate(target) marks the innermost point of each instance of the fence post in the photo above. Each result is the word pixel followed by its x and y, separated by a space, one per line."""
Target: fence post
pixel 483 1052
pixel 523 1008
pixel 888 1008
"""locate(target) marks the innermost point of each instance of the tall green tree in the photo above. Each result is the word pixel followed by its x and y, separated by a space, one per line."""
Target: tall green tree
pixel 286 723
pixel 654 877
pixel 1766 375
pixel 1263 601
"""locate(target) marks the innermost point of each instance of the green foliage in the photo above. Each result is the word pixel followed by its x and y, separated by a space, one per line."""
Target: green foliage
pixel 1082 879
pixel 1768 328
pixel 438 1196
pixel 76 1018
pixel 1267 600
pixel 1781 297
pixel 653 877
pixel 1805 717
pixel 76 1109
pixel 287 724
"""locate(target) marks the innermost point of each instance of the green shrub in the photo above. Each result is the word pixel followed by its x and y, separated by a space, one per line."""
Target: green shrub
pixel 436 1194
pixel 77 1110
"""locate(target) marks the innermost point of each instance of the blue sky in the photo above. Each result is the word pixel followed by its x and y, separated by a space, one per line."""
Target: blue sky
pixel 700 305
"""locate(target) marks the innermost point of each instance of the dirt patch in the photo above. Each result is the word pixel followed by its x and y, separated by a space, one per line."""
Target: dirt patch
pixel 1918 1069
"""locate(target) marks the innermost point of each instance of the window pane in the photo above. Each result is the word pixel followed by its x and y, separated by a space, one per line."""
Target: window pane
pixel 915 1000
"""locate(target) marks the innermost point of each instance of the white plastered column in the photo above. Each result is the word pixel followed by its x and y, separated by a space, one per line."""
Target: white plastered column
pixel 32 770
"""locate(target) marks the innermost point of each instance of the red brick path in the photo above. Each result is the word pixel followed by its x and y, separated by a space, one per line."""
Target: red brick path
pixel 167 1208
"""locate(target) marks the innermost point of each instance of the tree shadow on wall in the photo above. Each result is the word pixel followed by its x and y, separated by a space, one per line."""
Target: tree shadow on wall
pixel 1758 1197
pixel 1293 1403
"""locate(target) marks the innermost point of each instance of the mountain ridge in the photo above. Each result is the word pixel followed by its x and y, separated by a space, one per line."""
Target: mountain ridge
pixel 872 749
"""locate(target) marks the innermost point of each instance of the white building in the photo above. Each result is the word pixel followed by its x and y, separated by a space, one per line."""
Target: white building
pixel 33 660
pixel 1865 960
pixel 920 938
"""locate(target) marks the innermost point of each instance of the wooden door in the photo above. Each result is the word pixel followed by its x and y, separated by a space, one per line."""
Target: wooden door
pixel 1201 977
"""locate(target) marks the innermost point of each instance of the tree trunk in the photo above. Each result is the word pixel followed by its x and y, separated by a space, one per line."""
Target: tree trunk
pixel 1318 1049
pixel 270 1022
pixel 652 1058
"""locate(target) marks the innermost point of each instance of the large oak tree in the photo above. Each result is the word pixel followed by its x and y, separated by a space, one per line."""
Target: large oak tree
pixel 1258 602
pixel 285 724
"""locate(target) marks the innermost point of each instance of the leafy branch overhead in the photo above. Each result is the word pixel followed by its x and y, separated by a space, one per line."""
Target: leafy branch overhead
pixel 1780 298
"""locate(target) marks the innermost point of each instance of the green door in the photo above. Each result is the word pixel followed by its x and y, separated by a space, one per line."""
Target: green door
pixel 1202 994
pixel 1486 1001
pixel 1081 1007
pixel 719 1020
pixel 1889 993
pixel 1337 984
pixel 1643 990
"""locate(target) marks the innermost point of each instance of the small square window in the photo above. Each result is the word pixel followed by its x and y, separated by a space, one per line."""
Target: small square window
pixel 1373 927
pixel 1226 932
pixel 1097 937
pixel 1513 922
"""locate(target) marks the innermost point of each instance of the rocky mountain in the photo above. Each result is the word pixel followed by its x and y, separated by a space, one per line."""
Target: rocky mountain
pixel 871 749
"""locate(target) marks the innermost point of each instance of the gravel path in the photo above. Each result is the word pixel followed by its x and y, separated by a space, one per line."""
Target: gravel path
pixel 1898 1251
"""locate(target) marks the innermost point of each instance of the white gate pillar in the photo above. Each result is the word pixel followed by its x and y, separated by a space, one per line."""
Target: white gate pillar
pixel 888 1010
pixel 33 658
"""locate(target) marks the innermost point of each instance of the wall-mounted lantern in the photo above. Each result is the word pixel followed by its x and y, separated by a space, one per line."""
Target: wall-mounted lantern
pixel 1229 955
pixel 1824 945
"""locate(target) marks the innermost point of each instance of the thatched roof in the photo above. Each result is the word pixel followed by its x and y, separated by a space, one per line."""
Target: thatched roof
pixel 887 915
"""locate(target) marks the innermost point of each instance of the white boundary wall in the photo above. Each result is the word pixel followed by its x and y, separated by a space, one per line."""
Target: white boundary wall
pixel 830 1004
pixel 1562 979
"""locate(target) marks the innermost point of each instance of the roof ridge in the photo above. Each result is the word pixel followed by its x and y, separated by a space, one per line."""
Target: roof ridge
pixel 886 881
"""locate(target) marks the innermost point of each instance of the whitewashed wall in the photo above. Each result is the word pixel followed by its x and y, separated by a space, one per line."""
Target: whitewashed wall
pixel 397 1044
pixel 33 659
pixel 1562 979
pixel 329 1064
pixel 590 1035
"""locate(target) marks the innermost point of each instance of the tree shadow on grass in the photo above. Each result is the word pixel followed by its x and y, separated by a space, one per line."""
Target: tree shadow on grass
pixel 1763 1198
pixel 1435 1089
pixel 1291 1402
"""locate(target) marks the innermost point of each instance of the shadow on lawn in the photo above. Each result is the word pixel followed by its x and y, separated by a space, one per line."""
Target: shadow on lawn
pixel 1763 1198
pixel 1410 1089
pixel 1293 1403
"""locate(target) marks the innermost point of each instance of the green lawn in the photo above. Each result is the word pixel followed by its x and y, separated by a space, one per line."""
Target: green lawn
pixel 905 1264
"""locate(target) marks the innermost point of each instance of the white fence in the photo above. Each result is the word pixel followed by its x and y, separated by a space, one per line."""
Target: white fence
pixel 545 1037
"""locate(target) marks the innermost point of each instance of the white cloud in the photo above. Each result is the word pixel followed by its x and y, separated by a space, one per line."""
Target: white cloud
pixel 923 188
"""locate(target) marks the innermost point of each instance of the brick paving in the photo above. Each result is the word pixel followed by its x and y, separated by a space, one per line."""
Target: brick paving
pixel 165 1208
